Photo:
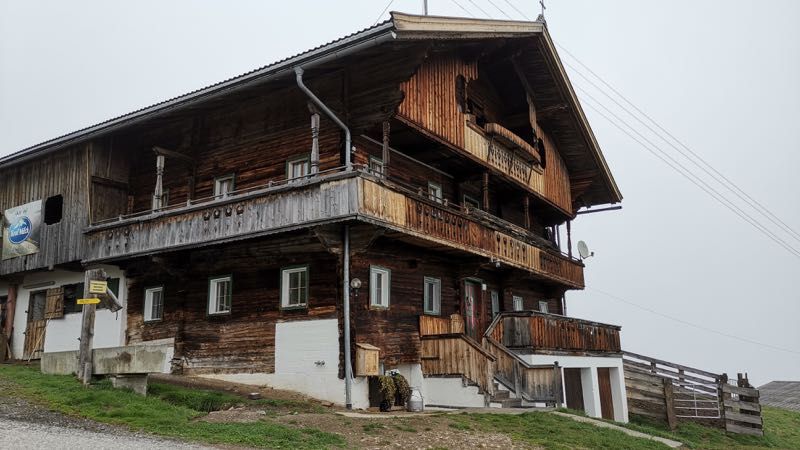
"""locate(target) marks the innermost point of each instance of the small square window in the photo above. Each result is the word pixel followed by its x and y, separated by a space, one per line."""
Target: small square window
pixel 153 303
pixel 223 186
pixel 294 287
pixel 495 303
pixel 53 209
pixel 375 165
pixel 471 202
pixel 379 286
pixel 432 296
pixel 518 304
pixel 298 168
pixel 435 191
pixel 543 306
pixel 220 291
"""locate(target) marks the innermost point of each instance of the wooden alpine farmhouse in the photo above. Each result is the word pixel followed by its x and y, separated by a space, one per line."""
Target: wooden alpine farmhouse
pixel 400 197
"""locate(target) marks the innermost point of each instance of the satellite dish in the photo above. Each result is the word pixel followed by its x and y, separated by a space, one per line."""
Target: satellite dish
pixel 583 250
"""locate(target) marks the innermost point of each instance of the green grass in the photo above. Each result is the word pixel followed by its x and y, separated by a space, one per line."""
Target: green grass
pixel 168 412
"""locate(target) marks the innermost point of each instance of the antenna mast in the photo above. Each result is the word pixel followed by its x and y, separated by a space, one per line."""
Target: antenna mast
pixel 424 7
pixel 541 15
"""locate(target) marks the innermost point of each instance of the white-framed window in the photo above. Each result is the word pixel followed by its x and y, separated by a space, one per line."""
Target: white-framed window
pixel 223 186
pixel 220 290
pixel 517 303
pixel 153 303
pixel 432 295
pixel 298 168
pixel 471 202
pixel 435 191
pixel 294 287
pixel 376 165
pixel 495 303
pixel 380 282
pixel 543 306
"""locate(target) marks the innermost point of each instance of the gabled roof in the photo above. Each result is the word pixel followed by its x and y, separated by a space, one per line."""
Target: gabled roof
pixel 577 141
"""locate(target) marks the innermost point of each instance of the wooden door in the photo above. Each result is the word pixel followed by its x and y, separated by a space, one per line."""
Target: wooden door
pixel 472 292
pixel 573 389
pixel 35 329
pixel 606 403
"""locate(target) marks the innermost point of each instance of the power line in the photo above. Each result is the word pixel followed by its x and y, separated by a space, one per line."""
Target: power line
pixel 480 9
pixel 694 325
pixel 462 8
pixel 517 10
pixel 388 5
pixel 498 8
pixel 710 191
pixel 705 166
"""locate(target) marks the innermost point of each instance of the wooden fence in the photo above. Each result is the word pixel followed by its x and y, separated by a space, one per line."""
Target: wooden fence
pixel 672 392
pixel 542 331
pixel 533 383
pixel 456 354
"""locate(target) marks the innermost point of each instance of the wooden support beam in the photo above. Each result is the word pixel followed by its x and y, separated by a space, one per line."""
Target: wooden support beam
pixel 161 151
pixel 87 328
pixel 526 208
pixel 672 421
pixel 386 156
pixel 486 191
pixel 158 192
pixel 569 238
pixel 314 141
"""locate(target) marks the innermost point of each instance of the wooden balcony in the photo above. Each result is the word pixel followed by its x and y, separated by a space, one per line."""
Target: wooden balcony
pixel 537 332
pixel 471 231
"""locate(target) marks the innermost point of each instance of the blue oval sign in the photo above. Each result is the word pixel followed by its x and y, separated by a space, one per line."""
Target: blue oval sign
pixel 19 231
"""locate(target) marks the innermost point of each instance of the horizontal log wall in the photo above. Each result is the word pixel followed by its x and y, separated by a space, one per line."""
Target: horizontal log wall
pixel 62 173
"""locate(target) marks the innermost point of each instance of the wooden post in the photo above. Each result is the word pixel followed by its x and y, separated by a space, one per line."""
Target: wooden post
pixel 87 328
pixel 557 384
pixel 517 382
pixel 314 141
pixel 386 155
pixel 526 208
pixel 569 238
pixel 158 193
pixel 11 306
pixel 672 421
pixel 486 191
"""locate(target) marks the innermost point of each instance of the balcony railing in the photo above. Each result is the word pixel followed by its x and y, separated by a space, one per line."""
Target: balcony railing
pixel 537 332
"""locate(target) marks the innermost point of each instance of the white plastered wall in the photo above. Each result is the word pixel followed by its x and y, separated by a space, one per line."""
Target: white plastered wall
pixel 589 380
pixel 441 391
pixel 301 348
pixel 62 334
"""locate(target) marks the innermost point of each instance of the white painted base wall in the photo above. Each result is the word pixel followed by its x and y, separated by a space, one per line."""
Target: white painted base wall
pixel 62 334
pixel 451 392
pixel 589 380
pixel 299 346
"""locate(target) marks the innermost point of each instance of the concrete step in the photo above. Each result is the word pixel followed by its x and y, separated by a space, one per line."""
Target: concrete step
pixel 500 395
pixel 510 403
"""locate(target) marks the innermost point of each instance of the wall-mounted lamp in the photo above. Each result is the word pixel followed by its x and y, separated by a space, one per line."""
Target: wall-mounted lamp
pixel 355 285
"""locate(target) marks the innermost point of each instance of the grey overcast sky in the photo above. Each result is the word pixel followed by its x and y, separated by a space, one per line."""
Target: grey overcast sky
pixel 723 76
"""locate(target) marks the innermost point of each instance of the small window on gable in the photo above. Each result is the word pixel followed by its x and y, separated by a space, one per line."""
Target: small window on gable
pixel 53 209
pixel 471 202
pixel 298 168
pixel 294 287
pixel 153 304
pixel 380 280
pixel 432 296
pixel 223 186
pixel 495 303
pixel 435 191
pixel 518 304
pixel 220 290
pixel 376 165
pixel 543 306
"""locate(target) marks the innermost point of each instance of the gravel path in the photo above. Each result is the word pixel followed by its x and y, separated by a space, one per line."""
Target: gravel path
pixel 23 435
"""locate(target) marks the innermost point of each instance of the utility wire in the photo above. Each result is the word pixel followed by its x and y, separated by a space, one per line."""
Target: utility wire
pixel 462 8
pixel 480 9
pixel 694 325
pixel 517 10
pixel 499 9
pixel 705 166
pixel 710 191
pixel 388 5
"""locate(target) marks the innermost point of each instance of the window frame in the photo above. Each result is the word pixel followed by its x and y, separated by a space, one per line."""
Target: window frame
pixel 291 161
pixel 374 270
pixel 217 183
pixel 149 307
pixel 435 187
pixel 494 297
pixel 284 294
pixel 514 299
pixel 470 199
pixel 211 282
pixel 437 300
pixel 378 161
pixel 546 305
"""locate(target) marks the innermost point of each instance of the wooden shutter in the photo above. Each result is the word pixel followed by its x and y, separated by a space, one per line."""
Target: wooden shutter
pixel 54 308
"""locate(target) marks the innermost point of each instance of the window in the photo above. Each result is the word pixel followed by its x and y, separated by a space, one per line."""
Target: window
pixel 223 186
pixel 375 165
pixel 543 306
pixel 495 303
pixel 53 209
pixel 294 287
pixel 435 191
pixel 298 168
pixel 379 285
pixel 72 292
pixel 432 295
pixel 153 303
pixel 471 202
pixel 517 303
pixel 219 295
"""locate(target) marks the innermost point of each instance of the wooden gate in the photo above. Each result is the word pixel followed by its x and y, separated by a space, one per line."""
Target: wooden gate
pixel 573 389
pixel 42 306
pixel 606 401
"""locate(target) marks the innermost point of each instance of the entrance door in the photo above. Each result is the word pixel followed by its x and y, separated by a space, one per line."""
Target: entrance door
pixel 606 404
pixel 573 388
pixel 34 332
pixel 472 292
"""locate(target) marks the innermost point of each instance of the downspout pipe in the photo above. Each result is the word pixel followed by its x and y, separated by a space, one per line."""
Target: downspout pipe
pixel 348 367
pixel 322 107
